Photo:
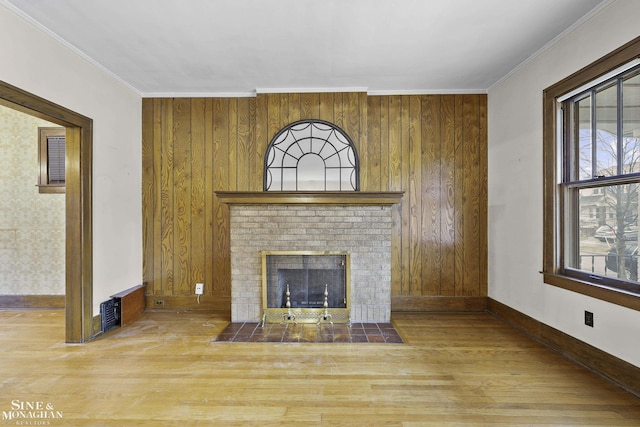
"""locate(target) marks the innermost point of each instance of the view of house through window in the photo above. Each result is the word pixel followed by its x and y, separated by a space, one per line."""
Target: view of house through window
pixel 601 178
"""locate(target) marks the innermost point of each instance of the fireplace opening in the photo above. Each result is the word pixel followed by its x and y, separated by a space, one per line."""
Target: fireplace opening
pixel 305 287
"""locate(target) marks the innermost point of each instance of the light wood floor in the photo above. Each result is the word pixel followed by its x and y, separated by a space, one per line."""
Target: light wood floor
pixel 454 369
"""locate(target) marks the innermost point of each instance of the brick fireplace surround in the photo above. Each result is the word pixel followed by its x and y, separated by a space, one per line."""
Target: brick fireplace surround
pixel 363 230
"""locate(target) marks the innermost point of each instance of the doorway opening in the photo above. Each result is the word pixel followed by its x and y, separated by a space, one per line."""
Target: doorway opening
pixel 78 213
pixel 32 227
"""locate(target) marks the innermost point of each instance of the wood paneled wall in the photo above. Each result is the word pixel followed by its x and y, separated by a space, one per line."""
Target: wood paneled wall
pixel 432 147
pixel 191 148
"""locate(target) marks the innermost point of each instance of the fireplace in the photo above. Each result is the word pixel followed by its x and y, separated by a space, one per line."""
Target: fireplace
pixel 305 286
pixel 357 224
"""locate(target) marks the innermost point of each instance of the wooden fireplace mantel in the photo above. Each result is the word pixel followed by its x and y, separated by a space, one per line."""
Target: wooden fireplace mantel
pixel 343 198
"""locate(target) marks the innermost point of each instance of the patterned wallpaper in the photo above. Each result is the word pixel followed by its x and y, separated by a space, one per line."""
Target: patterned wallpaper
pixel 32 238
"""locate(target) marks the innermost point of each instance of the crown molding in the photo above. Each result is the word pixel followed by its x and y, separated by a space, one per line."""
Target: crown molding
pixel 427 92
pixel 29 20
pixel 310 90
pixel 199 95
pixel 551 43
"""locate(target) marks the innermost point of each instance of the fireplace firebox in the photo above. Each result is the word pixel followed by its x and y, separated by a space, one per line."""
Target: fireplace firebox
pixel 305 286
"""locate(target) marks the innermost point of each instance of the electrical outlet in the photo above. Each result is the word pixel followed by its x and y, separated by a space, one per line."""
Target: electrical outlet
pixel 588 318
pixel 159 302
pixel 199 288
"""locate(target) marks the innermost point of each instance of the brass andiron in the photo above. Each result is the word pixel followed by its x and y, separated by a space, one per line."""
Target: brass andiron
pixel 288 316
pixel 325 316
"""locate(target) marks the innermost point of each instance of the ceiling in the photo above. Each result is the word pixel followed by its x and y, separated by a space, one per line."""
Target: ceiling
pixel 238 47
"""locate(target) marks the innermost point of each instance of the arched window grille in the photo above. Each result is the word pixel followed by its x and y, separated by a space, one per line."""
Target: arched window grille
pixel 311 155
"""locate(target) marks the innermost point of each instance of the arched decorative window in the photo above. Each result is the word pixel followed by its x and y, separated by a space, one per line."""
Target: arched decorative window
pixel 311 155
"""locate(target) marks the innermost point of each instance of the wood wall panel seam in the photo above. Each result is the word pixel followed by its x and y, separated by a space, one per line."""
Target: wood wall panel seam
pixel 471 196
pixel 447 195
pixel 147 190
pixel 167 198
pixel 182 174
pixel 156 204
pixel 483 250
pixel 208 196
pixel 197 229
pixel 459 184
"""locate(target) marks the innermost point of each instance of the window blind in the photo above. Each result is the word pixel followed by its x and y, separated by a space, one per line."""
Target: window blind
pixel 55 156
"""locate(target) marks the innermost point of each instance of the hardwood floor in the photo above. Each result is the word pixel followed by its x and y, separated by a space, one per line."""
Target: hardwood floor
pixel 165 370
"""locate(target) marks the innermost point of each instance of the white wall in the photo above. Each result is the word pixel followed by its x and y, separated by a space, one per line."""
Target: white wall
pixel 515 188
pixel 37 63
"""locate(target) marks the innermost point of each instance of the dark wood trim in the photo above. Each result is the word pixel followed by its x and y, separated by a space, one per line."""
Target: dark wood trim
pixel 550 200
pixel 96 325
pixel 614 296
pixel 552 226
pixel 401 303
pixel 79 244
pixel 613 369
pixel 190 303
pixel 303 197
pixel 32 301
pixel 600 67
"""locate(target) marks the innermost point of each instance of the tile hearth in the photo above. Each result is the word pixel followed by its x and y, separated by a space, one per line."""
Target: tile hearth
pixel 310 333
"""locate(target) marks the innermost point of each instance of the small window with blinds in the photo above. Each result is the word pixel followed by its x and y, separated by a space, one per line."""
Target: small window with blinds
pixel 51 156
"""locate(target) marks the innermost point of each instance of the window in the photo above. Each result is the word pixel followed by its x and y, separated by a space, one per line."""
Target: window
pixel 311 155
pixel 51 158
pixel 600 140
pixel 592 179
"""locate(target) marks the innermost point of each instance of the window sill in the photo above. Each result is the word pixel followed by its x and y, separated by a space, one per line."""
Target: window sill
pixel 51 189
pixel 605 293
